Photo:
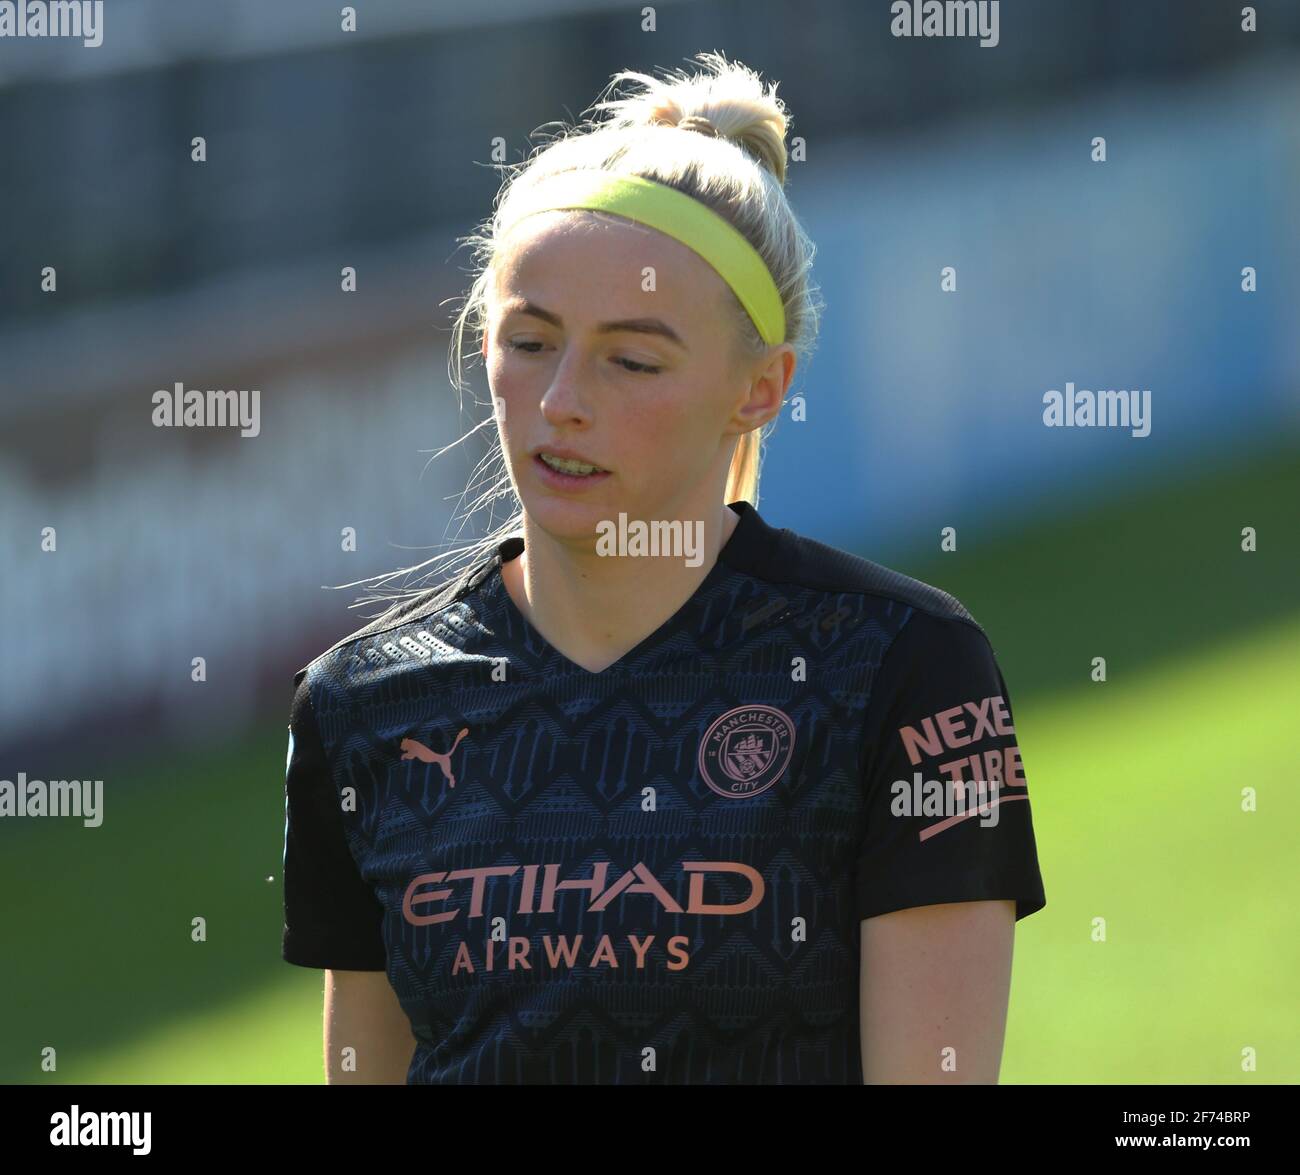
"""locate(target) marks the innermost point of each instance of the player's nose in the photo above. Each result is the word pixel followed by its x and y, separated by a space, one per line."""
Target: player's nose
pixel 568 396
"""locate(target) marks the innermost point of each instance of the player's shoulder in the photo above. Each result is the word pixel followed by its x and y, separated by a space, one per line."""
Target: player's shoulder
pixel 418 606
pixel 807 562
pixel 923 639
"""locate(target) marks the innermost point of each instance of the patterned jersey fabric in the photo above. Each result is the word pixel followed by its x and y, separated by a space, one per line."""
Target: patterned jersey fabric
pixel 654 874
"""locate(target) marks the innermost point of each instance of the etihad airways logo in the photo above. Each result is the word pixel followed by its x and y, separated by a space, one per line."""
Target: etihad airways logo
pixel 637 880
pixel 561 951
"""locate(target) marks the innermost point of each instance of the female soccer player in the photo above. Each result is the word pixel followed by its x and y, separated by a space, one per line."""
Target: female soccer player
pixel 653 791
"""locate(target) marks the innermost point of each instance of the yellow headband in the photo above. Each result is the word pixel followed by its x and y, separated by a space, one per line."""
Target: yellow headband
pixel 680 216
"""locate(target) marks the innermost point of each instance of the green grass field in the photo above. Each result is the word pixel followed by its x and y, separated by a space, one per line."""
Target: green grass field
pixel 1137 800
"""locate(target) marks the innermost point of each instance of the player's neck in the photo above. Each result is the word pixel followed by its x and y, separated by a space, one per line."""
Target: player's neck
pixel 596 609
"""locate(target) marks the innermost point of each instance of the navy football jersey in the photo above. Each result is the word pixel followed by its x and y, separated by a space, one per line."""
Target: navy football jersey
pixel 653 874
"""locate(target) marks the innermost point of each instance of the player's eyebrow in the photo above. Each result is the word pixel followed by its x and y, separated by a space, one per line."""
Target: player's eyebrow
pixel 645 326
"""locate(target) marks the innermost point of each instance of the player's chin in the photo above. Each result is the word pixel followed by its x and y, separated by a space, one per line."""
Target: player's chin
pixel 568 514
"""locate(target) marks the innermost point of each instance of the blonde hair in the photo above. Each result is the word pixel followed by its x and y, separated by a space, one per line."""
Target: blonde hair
pixel 734 161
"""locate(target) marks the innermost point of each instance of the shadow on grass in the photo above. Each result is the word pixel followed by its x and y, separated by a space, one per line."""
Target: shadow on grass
pixel 1158 573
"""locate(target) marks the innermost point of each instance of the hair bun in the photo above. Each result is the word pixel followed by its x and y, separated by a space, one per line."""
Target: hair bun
pixel 697 122
pixel 724 100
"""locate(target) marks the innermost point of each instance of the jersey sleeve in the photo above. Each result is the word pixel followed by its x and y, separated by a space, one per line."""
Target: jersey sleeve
pixel 332 918
pixel 939 721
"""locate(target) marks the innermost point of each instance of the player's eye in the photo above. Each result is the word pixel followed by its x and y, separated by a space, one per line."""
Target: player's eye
pixel 639 368
pixel 532 346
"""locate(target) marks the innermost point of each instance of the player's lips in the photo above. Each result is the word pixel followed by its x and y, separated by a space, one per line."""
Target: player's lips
pixel 562 469
pixel 566 455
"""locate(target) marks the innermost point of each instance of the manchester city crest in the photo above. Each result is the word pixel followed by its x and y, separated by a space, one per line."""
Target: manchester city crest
pixel 746 751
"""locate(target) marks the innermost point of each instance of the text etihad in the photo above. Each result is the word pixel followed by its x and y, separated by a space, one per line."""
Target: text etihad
pixel 541 900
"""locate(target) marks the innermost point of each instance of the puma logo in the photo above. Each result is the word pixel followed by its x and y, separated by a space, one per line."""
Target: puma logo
pixel 414 750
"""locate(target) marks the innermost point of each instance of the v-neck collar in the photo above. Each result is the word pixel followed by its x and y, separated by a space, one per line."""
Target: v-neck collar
pixel 747 548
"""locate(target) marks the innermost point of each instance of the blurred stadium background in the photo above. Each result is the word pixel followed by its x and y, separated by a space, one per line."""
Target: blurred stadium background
pixel 371 149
